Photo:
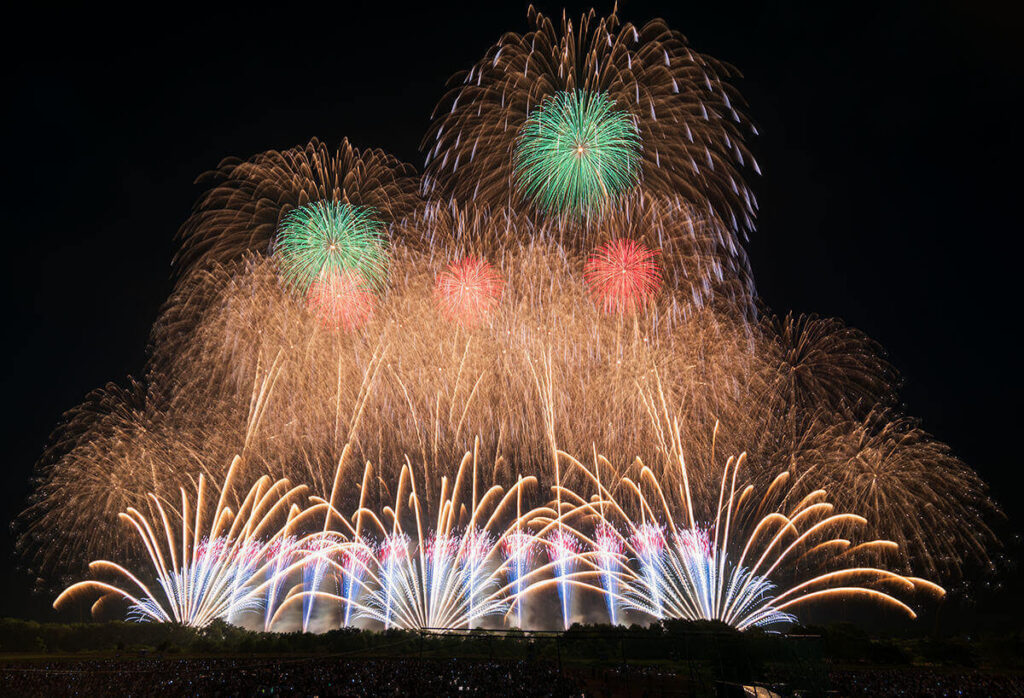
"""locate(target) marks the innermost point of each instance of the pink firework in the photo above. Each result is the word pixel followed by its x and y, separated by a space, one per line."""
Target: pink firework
pixel 341 301
pixel 468 290
pixel 394 549
pixel 622 275
pixel 606 541
pixel 476 546
pixel 357 557
pixel 648 541
pixel 519 547
pixel 442 548
pixel 695 543
pixel 282 548
pixel 562 546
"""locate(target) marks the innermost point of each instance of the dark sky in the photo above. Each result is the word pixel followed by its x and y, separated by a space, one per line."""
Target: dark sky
pixel 890 147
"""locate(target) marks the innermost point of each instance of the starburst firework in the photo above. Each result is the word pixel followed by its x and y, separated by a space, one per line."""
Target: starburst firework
pixel 576 153
pixel 327 239
pixel 468 290
pixel 622 275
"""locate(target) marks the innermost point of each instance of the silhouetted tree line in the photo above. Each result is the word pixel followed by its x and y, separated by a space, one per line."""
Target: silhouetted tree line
pixel 739 655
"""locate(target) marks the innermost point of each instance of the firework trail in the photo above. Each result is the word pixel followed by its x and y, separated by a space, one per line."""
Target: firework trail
pixel 473 556
pixel 357 558
pixel 281 552
pixel 448 574
pixel 519 547
pixel 393 560
pixel 316 562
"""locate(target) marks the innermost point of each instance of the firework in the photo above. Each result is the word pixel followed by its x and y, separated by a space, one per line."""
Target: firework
pixel 563 550
pixel 576 152
pixel 468 290
pixel 648 540
pixel 622 275
pixel 357 559
pixel 729 570
pixel 575 172
pixel 608 546
pixel 474 554
pixel 341 300
pixel 242 211
pixel 211 567
pixel 327 239
pixel 316 556
pixel 394 561
pixel 822 362
pixel 257 378
pixel 908 484
pixel 281 552
pixel 446 576
pixel 494 136
pixel 519 547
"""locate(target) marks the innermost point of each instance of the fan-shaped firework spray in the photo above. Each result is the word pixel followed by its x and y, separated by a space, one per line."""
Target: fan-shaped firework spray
pixel 212 568
pixel 648 540
pixel 519 547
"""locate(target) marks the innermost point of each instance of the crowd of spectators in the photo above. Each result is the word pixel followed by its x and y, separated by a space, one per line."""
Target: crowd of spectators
pixel 320 676
pixel 912 682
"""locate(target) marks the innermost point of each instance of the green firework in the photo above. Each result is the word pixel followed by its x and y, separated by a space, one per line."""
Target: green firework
pixel 576 151
pixel 326 238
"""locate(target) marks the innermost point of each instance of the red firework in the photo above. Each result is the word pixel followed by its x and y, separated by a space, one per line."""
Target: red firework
pixel 468 289
pixel 341 301
pixel 622 275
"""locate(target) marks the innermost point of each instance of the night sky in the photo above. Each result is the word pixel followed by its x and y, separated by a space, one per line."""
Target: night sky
pixel 889 146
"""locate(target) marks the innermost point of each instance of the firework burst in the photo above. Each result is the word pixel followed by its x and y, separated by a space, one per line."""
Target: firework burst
pixel 248 199
pixel 468 290
pixel 341 300
pixel 576 152
pixel 327 239
pixel 645 83
pixel 908 484
pixel 622 275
